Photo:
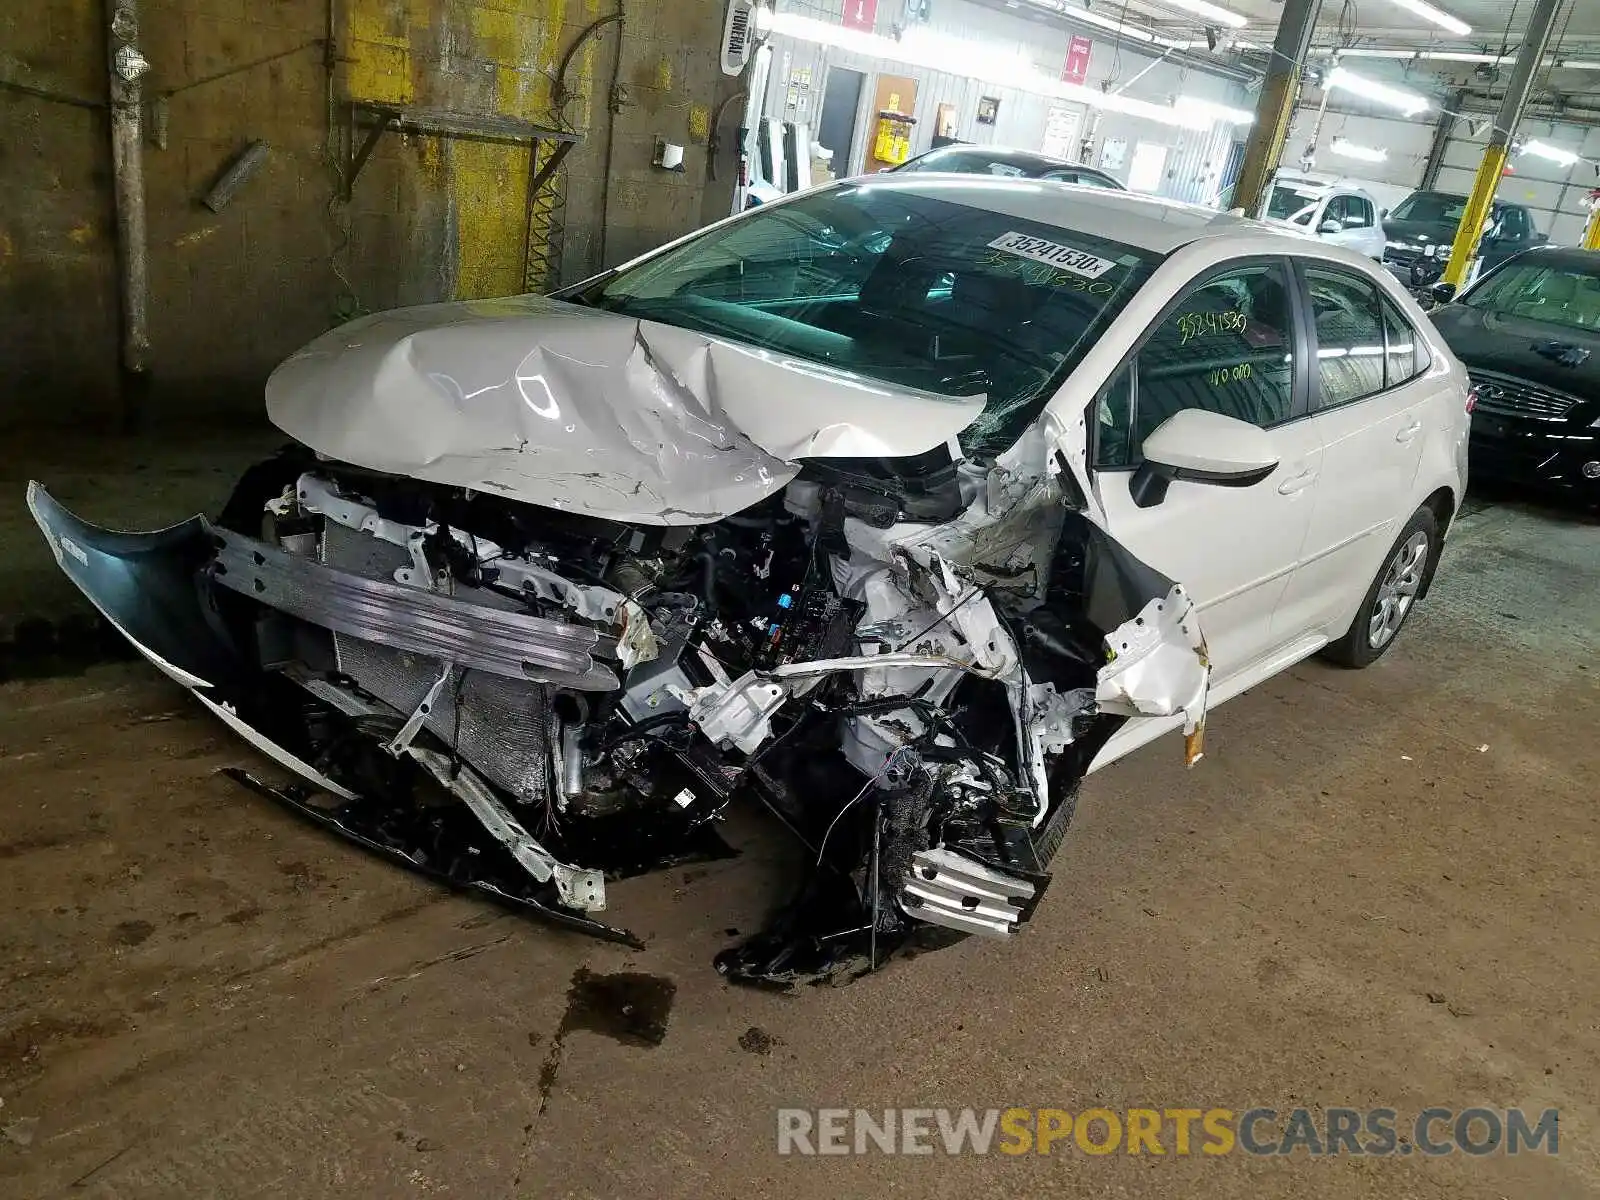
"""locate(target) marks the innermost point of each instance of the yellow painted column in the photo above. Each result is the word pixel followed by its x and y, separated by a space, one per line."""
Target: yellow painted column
pixel 1479 206
pixel 1265 147
pixel 1470 232
pixel 1275 106
pixel 1591 231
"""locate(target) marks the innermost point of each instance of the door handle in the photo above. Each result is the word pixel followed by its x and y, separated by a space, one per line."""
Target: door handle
pixel 1296 483
pixel 1408 432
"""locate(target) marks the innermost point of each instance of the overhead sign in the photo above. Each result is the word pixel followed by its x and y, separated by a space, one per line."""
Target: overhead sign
pixel 861 14
pixel 1076 68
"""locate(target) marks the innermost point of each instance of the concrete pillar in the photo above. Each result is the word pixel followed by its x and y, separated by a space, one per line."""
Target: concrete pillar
pixel 1276 105
pixel 1481 202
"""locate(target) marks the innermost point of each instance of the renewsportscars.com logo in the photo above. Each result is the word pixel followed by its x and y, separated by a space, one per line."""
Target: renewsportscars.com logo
pixel 1179 1132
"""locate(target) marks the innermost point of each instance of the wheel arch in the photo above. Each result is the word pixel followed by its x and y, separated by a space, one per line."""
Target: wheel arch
pixel 1442 502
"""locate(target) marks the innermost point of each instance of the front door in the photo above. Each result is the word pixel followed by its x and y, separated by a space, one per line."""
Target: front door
pixel 1358 225
pixel 1230 345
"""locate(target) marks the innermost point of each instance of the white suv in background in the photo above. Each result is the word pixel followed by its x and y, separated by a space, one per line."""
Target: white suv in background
pixel 1340 213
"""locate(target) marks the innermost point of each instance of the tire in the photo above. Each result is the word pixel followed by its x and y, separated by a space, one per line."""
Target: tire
pixel 1402 580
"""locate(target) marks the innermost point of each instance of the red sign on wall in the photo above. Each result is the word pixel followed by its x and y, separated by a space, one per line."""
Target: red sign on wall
pixel 860 14
pixel 1076 68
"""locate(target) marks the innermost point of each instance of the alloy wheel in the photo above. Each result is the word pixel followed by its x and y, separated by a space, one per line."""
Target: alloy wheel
pixel 1402 580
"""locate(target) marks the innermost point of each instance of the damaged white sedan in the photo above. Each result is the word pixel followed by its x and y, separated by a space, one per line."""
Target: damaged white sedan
pixel 892 509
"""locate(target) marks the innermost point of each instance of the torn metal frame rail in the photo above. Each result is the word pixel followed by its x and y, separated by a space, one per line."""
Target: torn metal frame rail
pixel 578 887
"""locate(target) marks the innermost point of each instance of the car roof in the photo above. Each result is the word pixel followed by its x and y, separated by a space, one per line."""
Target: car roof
pixel 1458 198
pixel 1030 160
pixel 1569 258
pixel 1144 222
pixel 1305 184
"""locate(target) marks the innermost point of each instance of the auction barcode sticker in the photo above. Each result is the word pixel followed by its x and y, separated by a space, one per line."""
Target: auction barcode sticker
pixel 1079 262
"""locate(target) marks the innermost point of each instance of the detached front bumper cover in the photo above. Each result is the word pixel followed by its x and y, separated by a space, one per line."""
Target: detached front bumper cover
pixel 157 590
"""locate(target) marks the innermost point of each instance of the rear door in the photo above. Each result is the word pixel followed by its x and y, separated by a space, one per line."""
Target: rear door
pixel 1231 343
pixel 1371 421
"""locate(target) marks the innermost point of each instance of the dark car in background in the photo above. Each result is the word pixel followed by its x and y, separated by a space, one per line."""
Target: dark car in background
pixel 1014 164
pixel 1529 335
pixel 1422 228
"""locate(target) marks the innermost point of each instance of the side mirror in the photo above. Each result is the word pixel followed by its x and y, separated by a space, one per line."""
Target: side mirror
pixel 1442 292
pixel 1197 446
pixel 1330 226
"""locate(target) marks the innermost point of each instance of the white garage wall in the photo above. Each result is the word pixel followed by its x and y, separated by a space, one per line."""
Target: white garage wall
pixel 1554 193
pixel 1195 160
pixel 1406 141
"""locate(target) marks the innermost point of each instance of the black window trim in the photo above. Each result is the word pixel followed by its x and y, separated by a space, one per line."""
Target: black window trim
pixel 1364 211
pixel 1300 341
pixel 1422 357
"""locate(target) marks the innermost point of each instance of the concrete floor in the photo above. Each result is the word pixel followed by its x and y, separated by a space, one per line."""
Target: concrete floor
pixel 1379 889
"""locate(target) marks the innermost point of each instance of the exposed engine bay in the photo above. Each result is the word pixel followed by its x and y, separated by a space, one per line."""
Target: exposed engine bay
pixel 540 592
pixel 532 703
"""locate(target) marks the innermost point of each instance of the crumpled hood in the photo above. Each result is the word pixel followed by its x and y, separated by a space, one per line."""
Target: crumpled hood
pixel 556 404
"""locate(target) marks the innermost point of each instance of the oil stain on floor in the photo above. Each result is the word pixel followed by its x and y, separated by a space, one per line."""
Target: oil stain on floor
pixel 629 1007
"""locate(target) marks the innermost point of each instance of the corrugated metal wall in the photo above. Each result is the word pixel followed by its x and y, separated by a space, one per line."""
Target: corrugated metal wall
pixel 1195 160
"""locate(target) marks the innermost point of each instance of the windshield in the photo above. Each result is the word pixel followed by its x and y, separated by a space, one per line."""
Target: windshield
pixel 1288 202
pixel 1558 295
pixel 1431 208
pixel 916 291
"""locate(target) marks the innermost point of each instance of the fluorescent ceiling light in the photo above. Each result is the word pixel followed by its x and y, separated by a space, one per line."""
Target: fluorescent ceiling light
pixel 1430 55
pixel 935 51
pixel 1554 153
pixel 1210 12
pixel 1364 153
pixel 1407 102
pixel 1093 18
pixel 1437 15
pixel 1462 56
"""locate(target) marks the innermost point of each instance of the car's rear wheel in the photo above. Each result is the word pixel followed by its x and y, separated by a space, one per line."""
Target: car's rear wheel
pixel 1400 583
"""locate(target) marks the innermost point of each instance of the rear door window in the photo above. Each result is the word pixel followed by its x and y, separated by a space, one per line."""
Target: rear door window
pixel 1405 356
pixel 1349 327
